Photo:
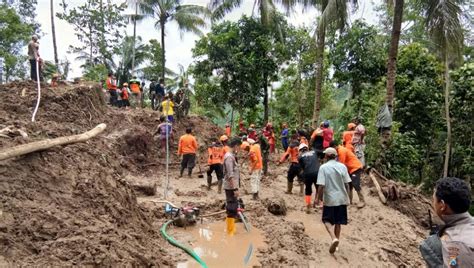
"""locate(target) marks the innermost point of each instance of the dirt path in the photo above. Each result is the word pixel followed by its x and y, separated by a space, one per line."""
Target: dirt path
pixel 376 236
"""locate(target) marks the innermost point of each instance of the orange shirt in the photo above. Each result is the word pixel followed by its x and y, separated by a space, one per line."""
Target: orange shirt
pixel 187 144
pixel 135 87
pixel 111 84
pixel 291 152
pixel 349 159
pixel 244 145
pixel 226 149
pixel 125 94
pixel 316 132
pixel 255 156
pixel 304 140
pixel 216 155
pixel 228 131
pixel 347 139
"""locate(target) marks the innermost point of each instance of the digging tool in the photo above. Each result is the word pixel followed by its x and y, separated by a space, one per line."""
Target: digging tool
pixel 240 212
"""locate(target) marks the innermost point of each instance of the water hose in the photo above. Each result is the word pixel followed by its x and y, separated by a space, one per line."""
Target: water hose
pixel 39 93
pixel 175 243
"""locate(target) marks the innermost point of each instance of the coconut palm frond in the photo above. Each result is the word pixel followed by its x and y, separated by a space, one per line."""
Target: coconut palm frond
pixel 220 8
pixel 443 21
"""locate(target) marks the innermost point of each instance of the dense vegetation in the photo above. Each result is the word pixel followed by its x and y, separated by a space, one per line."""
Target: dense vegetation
pixel 261 68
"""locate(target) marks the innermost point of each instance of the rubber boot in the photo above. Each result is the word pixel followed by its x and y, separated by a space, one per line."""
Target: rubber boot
pixel 361 203
pixel 307 200
pixel 301 188
pixel 181 172
pixel 219 186
pixel 230 222
pixel 289 188
pixel 209 182
pixel 190 172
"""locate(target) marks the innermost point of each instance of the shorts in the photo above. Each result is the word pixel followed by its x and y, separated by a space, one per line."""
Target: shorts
pixel 189 161
pixel 335 215
pixel 294 171
pixel 355 177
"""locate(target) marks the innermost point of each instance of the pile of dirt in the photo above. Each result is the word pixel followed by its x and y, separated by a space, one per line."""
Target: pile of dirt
pixel 70 205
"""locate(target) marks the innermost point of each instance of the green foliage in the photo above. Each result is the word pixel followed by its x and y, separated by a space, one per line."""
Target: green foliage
pixel 462 111
pixel 231 63
pixel 154 67
pixel 26 9
pixel 14 35
pixel 358 56
pixel 96 73
pixel 98 27
pixel 124 66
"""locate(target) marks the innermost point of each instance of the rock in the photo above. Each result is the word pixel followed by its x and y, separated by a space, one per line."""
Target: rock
pixel 277 207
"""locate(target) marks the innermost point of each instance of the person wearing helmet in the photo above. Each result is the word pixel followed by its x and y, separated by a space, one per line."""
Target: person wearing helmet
pixel 333 181
pixel 123 95
pixel 215 160
pixel 310 166
pixel 111 84
pixel 245 144
pixel 136 92
pixel 294 169
pixel 270 135
pixel 224 139
pixel 256 166
pixel 347 137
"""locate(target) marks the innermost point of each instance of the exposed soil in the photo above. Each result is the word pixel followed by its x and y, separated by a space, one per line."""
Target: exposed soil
pixel 95 203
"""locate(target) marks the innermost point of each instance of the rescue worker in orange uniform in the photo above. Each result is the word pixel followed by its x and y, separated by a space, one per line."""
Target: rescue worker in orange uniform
pixel 347 136
pixel 270 135
pixel 136 91
pixel 187 148
pixel 245 144
pixel 294 170
pixel 228 130
pixel 224 139
pixel 355 169
pixel 215 160
pixel 256 166
pixel 111 85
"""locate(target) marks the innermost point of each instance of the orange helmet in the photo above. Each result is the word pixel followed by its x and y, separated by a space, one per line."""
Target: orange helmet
pixel 351 125
pixel 252 125
pixel 224 138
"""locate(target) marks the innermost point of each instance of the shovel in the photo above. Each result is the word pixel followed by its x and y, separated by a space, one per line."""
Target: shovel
pixel 242 217
pixel 199 166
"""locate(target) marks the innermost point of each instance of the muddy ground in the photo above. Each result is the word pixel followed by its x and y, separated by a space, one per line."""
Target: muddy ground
pixel 88 204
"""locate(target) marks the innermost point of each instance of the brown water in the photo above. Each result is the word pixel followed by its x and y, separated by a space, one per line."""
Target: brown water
pixel 217 249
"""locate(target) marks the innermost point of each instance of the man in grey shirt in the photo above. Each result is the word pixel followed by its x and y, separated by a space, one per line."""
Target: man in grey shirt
pixel 333 181
pixel 231 185
pixel 34 57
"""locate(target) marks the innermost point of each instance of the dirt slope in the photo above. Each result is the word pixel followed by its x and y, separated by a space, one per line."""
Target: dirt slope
pixel 74 205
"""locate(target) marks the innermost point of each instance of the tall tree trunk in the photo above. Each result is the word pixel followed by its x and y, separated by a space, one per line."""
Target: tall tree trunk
pixel 265 97
pixel 163 54
pixel 134 37
pixel 53 33
pixel 393 53
pixel 321 35
pixel 448 117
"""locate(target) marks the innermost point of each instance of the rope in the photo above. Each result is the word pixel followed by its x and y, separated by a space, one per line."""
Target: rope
pixel 175 243
pixel 39 92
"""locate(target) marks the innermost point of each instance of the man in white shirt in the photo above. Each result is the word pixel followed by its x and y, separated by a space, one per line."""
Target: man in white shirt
pixel 333 181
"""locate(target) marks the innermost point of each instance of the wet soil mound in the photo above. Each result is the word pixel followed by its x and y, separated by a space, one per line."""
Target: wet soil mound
pixel 70 205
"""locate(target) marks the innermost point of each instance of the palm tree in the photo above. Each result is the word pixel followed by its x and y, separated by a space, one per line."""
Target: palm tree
pixel 444 27
pixel 333 12
pixel 128 48
pixel 53 33
pixel 190 18
pixel 393 53
pixel 134 18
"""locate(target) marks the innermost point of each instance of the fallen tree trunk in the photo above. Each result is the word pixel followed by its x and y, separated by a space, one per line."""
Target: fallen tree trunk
pixel 379 189
pixel 48 143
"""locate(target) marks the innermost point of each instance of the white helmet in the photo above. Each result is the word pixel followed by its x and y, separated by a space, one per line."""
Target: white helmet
pixel 302 146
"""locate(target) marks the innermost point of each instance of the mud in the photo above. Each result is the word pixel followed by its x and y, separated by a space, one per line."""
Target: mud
pixel 86 205
pixel 212 244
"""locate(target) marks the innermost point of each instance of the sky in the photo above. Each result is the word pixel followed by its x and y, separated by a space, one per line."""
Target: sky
pixel 178 50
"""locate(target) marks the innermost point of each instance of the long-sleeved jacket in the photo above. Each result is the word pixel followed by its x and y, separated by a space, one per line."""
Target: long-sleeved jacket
pixel 453 246
pixel 231 172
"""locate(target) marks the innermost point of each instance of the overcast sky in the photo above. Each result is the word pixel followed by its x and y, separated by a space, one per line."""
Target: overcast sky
pixel 178 51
